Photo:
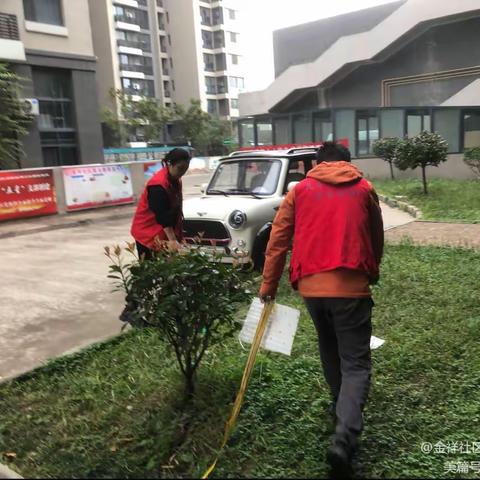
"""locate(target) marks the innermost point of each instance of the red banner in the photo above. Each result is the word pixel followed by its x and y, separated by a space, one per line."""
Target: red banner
pixel 289 146
pixel 27 194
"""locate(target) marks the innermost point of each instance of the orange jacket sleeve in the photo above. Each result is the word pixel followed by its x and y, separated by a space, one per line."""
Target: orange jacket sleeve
pixel 280 240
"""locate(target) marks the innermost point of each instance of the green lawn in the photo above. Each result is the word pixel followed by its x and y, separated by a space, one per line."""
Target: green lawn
pixel 448 200
pixel 114 410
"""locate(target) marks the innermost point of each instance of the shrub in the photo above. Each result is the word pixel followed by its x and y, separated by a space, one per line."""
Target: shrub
pixel 472 159
pixel 426 149
pixel 190 297
pixel 386 149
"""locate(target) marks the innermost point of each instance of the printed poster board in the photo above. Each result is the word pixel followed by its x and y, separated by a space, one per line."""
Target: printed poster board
pixel 97 186
pixel 28 193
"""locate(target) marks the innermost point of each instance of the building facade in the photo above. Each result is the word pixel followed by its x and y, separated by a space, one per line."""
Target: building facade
pixel 388 71
pixel 172 50
pixel 49 44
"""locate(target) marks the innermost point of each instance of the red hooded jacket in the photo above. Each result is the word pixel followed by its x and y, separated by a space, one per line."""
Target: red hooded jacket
pixel 335 221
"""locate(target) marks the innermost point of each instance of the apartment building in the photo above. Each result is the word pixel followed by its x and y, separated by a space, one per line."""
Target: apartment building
pixel 49 44
pixel 172 50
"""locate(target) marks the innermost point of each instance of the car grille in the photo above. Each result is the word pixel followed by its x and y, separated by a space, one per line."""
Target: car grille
pixel 211 233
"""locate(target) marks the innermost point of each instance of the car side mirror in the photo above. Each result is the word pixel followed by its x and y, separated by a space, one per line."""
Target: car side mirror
pixel 203 188
pixel 291 186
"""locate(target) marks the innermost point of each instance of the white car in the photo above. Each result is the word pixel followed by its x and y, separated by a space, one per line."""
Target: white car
pixel 235 213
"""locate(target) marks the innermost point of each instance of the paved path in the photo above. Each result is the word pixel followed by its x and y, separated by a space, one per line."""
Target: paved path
pixel 55 295
pixel 436 233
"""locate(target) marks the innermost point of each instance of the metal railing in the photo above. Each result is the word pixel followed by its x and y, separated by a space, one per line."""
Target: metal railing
pixel 9 27
pixel 146 69
pixel 145 46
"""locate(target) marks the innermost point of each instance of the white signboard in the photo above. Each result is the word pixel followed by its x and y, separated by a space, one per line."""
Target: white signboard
pixel 96 186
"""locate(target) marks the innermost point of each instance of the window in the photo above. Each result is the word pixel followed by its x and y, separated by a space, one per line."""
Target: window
pixel 471 128
pixel 210 85
pixel 447 124
pixel 217 16
pixel 367 132
pixel 165 69
pixel 131 15
pixel 392 122
pixel 322 127
pixel 234 104
pixel 302 128
pixel 166 89
pixel 161 21
pixel 282 130
pixel 56 122
pixel 222 85
pixel 237 83
pixel 264 132
pixel 169 40
pixel 133 86
pixel 212 107
pixel 43 11
pixel 345 126
pixel 234 59
pixel 220 62
pixel 133 40
pixel 232 14
pixel 163 43
pixel 417 122
pixel 233 37
pixel 206 14
pixel 218 39
pixel 246 133
pixel 209 62
pixel 207 38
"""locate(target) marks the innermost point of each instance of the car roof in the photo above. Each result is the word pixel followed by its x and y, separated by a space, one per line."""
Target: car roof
pixel 307 152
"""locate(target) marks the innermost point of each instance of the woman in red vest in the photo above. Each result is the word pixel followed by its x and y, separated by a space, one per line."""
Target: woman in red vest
pixel 158 219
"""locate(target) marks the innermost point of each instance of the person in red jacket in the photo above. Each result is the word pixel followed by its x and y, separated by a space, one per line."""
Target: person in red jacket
pixel 158 218
pixel 335 222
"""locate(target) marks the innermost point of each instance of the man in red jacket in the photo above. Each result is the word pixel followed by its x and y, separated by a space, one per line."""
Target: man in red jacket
pixel 335 221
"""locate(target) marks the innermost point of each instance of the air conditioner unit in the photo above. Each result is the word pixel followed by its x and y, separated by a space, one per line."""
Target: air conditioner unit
pixel 31 106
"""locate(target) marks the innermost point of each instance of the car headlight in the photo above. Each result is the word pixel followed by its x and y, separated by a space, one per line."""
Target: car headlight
pixel 237 219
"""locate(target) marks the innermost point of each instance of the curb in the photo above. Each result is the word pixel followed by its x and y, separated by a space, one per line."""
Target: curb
pixel 5 472
pixel 394 203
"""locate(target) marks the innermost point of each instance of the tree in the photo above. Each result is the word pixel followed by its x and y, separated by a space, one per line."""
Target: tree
pixel 386 148
pixel 472 159
pixel 145 114
pixel 426 149
pixel 190 298
pixel 205 132
pixel 14 120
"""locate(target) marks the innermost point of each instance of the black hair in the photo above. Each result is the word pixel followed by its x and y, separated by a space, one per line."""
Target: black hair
pixel 177 155
pixel 333 152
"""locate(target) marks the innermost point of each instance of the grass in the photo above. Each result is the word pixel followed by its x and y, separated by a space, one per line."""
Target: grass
pixel 114 411
pixel 447 201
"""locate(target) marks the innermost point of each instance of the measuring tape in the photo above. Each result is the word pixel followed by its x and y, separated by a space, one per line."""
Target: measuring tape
pixel 257 340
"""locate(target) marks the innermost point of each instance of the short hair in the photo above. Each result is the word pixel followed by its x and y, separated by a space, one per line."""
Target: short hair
pixel 177 155
pixel 333 152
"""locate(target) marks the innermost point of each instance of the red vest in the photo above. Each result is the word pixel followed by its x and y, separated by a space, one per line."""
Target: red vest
pixel 332 229
pixel 145 228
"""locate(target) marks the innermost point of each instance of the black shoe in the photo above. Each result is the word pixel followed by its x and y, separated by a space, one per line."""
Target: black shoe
pixel 339 457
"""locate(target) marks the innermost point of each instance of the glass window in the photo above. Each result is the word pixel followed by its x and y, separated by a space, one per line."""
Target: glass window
pixel 212 107
pixel 218 39
pixel 323 127
pixel 233 37
pixel 282 130
pixel 264 133
pixel 220 62
pixel 447 124
pixel 367 132
pixel 234 59
pixel 232 14
pixel 234 103
pixel 302 128
pixel 43 11
pixel 471 127
pixel 209 62
pixel 417 122
pixel 246 133
pixel 392 123
pixel 345 126
pixel 237 83
pixel 236 178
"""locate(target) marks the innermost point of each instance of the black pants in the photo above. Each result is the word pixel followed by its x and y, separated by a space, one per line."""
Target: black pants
pixel 344 328
pixel 144 252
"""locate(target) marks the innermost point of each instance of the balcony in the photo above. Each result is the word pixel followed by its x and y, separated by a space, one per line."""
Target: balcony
pixel 11 48
pixel 144 46
pixel 146 69
pixel 138 93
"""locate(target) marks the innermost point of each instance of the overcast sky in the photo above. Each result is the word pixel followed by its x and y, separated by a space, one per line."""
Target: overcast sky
pixel 262 17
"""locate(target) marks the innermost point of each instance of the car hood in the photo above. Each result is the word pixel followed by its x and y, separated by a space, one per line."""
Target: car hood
pixel 219 207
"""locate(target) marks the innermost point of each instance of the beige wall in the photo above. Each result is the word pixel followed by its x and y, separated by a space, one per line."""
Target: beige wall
pixel 454 168
pixel 187 54
pixel 103 34
pixel 76 38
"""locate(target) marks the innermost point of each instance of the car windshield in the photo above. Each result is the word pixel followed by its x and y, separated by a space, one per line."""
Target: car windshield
pixel 258 177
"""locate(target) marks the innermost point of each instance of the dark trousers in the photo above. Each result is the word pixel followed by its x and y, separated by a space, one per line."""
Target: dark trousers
pixel 144 252
pixel 344 328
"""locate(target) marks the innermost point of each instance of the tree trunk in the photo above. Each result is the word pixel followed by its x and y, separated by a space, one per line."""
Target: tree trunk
pixel 189 384
pixel 391 170
pixel 424 179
